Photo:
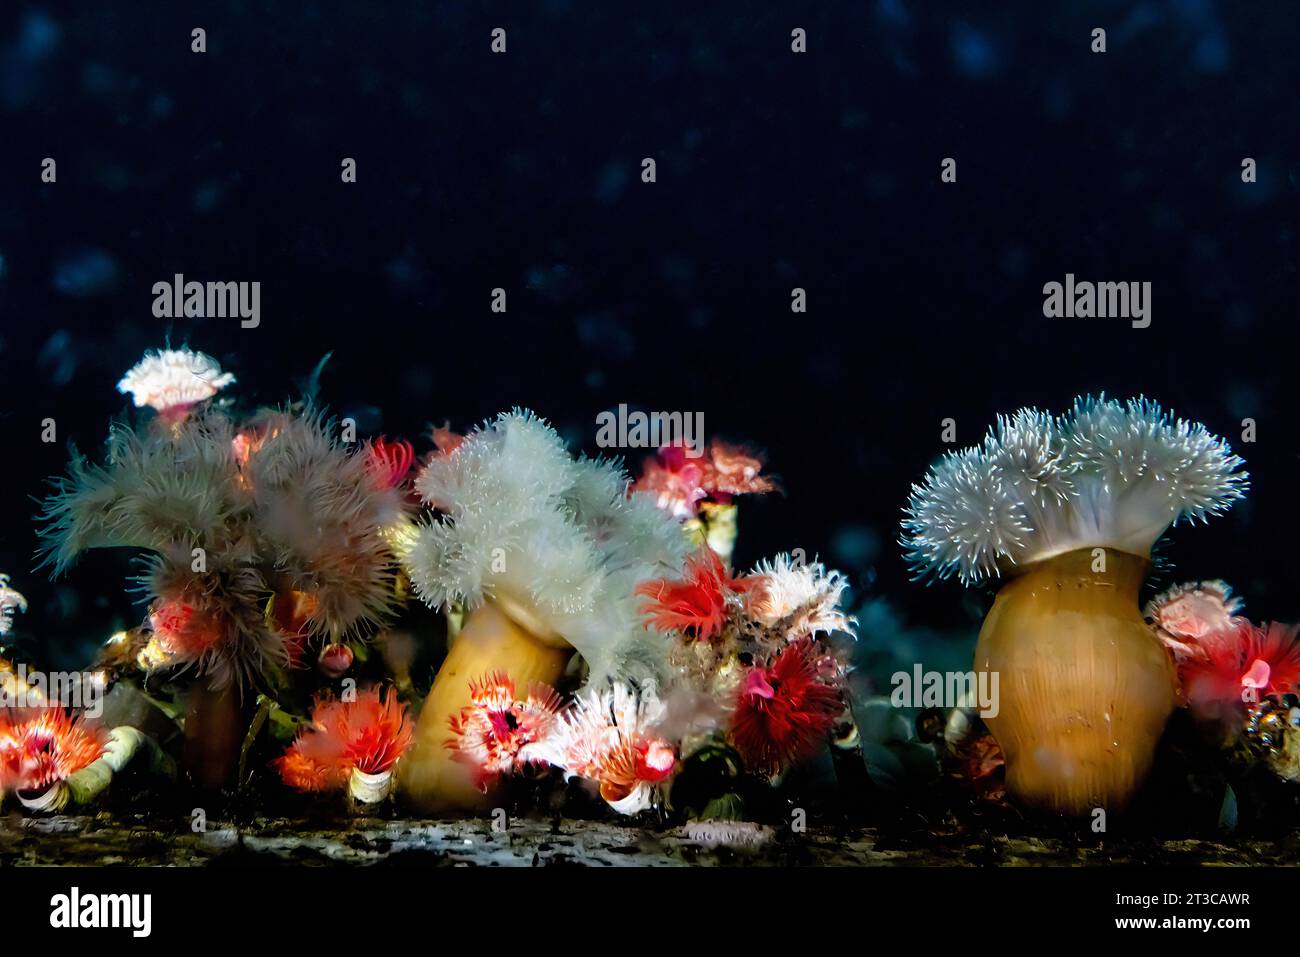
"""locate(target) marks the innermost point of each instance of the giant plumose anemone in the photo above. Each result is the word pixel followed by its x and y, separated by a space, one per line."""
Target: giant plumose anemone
pixel 1066 510
pixel 228 517
pixel 545 549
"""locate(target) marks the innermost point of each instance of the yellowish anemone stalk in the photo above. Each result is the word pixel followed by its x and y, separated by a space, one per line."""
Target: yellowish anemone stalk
pixel 1067 509
pixel 1085 687
pixel 498 635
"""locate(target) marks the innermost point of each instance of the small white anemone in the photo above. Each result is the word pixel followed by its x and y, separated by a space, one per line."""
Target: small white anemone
pixel 1106 474
pixel 169 380
pixel 802 597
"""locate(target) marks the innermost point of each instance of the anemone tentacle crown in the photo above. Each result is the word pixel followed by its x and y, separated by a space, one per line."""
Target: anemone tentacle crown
pixel 1105 474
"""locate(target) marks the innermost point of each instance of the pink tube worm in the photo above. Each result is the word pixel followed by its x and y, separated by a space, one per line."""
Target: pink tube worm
pixel 500 732
pixel 353 744
pixel 1225 663
pixel 752 647
pixel 700 492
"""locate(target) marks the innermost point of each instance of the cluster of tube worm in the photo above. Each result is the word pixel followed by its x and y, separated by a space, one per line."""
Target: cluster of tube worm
pixel 747 666
pixel 1064 511
pixel 1239 679
pixel 269 545
pixel 555 557
pixel 51 756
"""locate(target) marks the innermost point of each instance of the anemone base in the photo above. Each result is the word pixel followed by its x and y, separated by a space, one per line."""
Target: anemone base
pixel 1085 686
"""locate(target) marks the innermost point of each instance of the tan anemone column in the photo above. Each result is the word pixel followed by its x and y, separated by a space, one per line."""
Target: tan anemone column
pixel 1085 687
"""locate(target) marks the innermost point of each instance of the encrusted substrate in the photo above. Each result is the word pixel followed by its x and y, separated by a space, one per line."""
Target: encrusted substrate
pixel 63 840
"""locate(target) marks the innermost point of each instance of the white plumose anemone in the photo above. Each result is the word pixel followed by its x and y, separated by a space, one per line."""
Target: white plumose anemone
pixel 171 379
pixel 1105 474
pixel 803 598
pixel 556 540
pixel 545 551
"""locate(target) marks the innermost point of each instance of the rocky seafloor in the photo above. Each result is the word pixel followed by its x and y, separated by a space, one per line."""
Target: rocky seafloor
pixel 535 842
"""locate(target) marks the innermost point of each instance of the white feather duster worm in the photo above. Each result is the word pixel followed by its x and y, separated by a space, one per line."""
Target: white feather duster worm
pixel 172 380
pixel 551 537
